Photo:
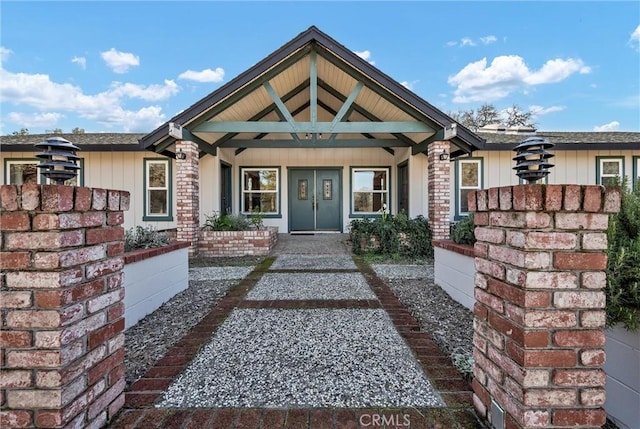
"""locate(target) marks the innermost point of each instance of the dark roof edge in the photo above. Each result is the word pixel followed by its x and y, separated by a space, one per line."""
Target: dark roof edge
pixel 571 146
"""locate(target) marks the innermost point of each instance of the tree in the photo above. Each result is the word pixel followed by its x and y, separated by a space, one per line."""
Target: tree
pixel 77 130
pixel 22 132
pixel 487 114
pixel 56 131
pixel 517 117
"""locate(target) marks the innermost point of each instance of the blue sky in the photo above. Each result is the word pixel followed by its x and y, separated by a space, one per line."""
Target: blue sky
pixel 129 66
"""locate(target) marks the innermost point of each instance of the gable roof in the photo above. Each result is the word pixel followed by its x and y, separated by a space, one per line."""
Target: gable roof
pixel 290 72
pixel 94 142
pixel 568 140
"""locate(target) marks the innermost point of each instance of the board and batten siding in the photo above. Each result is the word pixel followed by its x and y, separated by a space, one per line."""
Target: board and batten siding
pixel 570 167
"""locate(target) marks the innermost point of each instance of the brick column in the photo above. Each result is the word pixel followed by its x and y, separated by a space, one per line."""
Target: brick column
pixel 439 190
pixel 188 195
pixel 62 346
pixel 540 308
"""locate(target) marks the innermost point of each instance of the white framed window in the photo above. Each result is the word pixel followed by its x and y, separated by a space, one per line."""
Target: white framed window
pixel 157 190
pixel 260 190
pixel 369 190
pixel 468 179
pixel 23 171
pixel 609 169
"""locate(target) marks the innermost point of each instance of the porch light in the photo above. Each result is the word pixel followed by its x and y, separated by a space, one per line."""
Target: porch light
pixel 59 159
pixel 444 155
pixel 531 159
pixel 181 155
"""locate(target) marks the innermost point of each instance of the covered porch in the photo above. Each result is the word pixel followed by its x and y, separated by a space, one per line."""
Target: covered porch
pixel 312 136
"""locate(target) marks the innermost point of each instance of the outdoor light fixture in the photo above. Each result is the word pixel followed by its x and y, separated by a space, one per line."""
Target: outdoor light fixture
pixel 444 155
pixel 181 155
pixel 531 159
pixel 59 159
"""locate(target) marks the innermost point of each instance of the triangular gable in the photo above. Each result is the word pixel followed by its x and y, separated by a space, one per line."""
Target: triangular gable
pixel 313 92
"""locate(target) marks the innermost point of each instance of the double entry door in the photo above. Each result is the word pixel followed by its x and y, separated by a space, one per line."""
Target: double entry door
pixel 314 199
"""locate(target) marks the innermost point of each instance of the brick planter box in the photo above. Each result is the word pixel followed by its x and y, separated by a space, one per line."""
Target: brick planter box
pixel 237 243
pixel 152 277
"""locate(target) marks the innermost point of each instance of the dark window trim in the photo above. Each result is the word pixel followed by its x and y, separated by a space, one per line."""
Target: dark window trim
pixel 353 215
pixel 458 215
pixel 598 162
pixel 241 186
pixel 169 216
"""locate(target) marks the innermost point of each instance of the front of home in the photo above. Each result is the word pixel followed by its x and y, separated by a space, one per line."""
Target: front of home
pixel 312 137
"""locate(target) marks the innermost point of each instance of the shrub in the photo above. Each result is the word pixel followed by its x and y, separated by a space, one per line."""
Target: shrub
pixel 623 263
pixel 392 236
pixel 463 232
pixel 232 222
pixel 141 237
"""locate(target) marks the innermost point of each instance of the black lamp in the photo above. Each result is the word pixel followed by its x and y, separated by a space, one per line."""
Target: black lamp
pixel 59 159
pixel 444 155
pixel 181 155
pixel 531 159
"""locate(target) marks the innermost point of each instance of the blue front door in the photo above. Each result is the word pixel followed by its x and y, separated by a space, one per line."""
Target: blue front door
pixel 315 199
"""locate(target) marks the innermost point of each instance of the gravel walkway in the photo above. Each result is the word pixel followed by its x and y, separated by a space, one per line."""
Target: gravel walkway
pixel 449 322
pixel 313 262
pixel 304 358
pixel 311 286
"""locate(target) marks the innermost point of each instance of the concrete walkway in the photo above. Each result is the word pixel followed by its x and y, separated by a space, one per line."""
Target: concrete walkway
pixel 311 338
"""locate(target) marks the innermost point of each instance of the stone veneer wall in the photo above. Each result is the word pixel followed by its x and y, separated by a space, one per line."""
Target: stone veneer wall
pixel 439 190
pixel 62 345
pixel 214 244
pixel 540 310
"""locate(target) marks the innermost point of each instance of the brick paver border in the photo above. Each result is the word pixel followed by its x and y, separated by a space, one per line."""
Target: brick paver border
pixel 445 378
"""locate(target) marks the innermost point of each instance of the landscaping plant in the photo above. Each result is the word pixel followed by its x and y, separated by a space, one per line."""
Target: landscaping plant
pixel 142 237
pixel 623 264
pixel 462 232
pixel 233 222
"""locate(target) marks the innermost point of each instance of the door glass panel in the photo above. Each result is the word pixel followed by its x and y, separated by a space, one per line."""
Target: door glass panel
pixel 327 189
pixel 302 189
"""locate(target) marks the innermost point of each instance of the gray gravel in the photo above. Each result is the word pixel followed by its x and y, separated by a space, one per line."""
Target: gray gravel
pixel 149 339
pixel 450 323
pixel 219 273
pixel 311 286
pixel 396 271
pixel 313 262
pixel 302 358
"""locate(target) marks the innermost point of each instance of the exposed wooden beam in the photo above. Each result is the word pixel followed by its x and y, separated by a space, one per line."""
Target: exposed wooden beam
pixel 240 150
pixel 346 105
pixel 340 143
pixel 321 127
pixel 313 88
pixel 388 149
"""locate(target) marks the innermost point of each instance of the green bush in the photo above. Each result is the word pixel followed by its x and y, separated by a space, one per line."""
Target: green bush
pixel 142 237
pixel 392 236
pixel 463 232
pixel 623 264
pixel 232 222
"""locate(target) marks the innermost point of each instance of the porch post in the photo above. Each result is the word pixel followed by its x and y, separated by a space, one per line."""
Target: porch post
pixel 188 194
pixel 438 189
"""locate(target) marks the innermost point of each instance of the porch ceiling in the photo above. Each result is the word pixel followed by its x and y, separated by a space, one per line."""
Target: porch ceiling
pixel 312 97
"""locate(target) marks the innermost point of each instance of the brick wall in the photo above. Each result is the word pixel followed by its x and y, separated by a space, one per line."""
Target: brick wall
pixel 188 195
pixel 214 244
pixel 62 346
pixel 439 191
pixel 539 312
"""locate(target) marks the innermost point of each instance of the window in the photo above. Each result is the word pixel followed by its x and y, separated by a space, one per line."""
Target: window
pixel 468 178
pixel 157 190
pixel 23 171
pixel 636 172
pixel 609 169
pixel 369 190
pixel 261 190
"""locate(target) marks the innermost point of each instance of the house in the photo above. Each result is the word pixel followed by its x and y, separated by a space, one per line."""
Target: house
pixel 313 136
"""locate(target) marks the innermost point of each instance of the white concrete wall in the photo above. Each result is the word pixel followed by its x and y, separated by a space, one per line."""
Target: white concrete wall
pixel 455 274
pixel 151 282
pixel 623 377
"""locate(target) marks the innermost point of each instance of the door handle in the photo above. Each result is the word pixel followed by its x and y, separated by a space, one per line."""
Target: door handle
pixel 314 203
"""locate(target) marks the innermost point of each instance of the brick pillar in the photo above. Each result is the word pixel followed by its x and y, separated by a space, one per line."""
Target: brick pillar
pixel 62 341
pixel 439 190
pixel 540 308
pixel 188 193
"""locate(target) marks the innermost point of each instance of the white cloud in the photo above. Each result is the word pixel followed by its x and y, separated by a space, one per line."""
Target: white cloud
pixel 478 81
pixel 147 93
pixel 36 120
pixel 81 61
pixel 365 55
pixel 206 75
pixel 120 62
pixel 487 40
pixel 465 41
pixel 611 126
pixel 539 110
pixel 39 92
pixel 634 40
pixel 4 54
pixel 452 43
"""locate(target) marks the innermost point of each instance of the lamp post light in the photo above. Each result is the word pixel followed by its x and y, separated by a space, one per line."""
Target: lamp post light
pixel 59 159
pixel 531 159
